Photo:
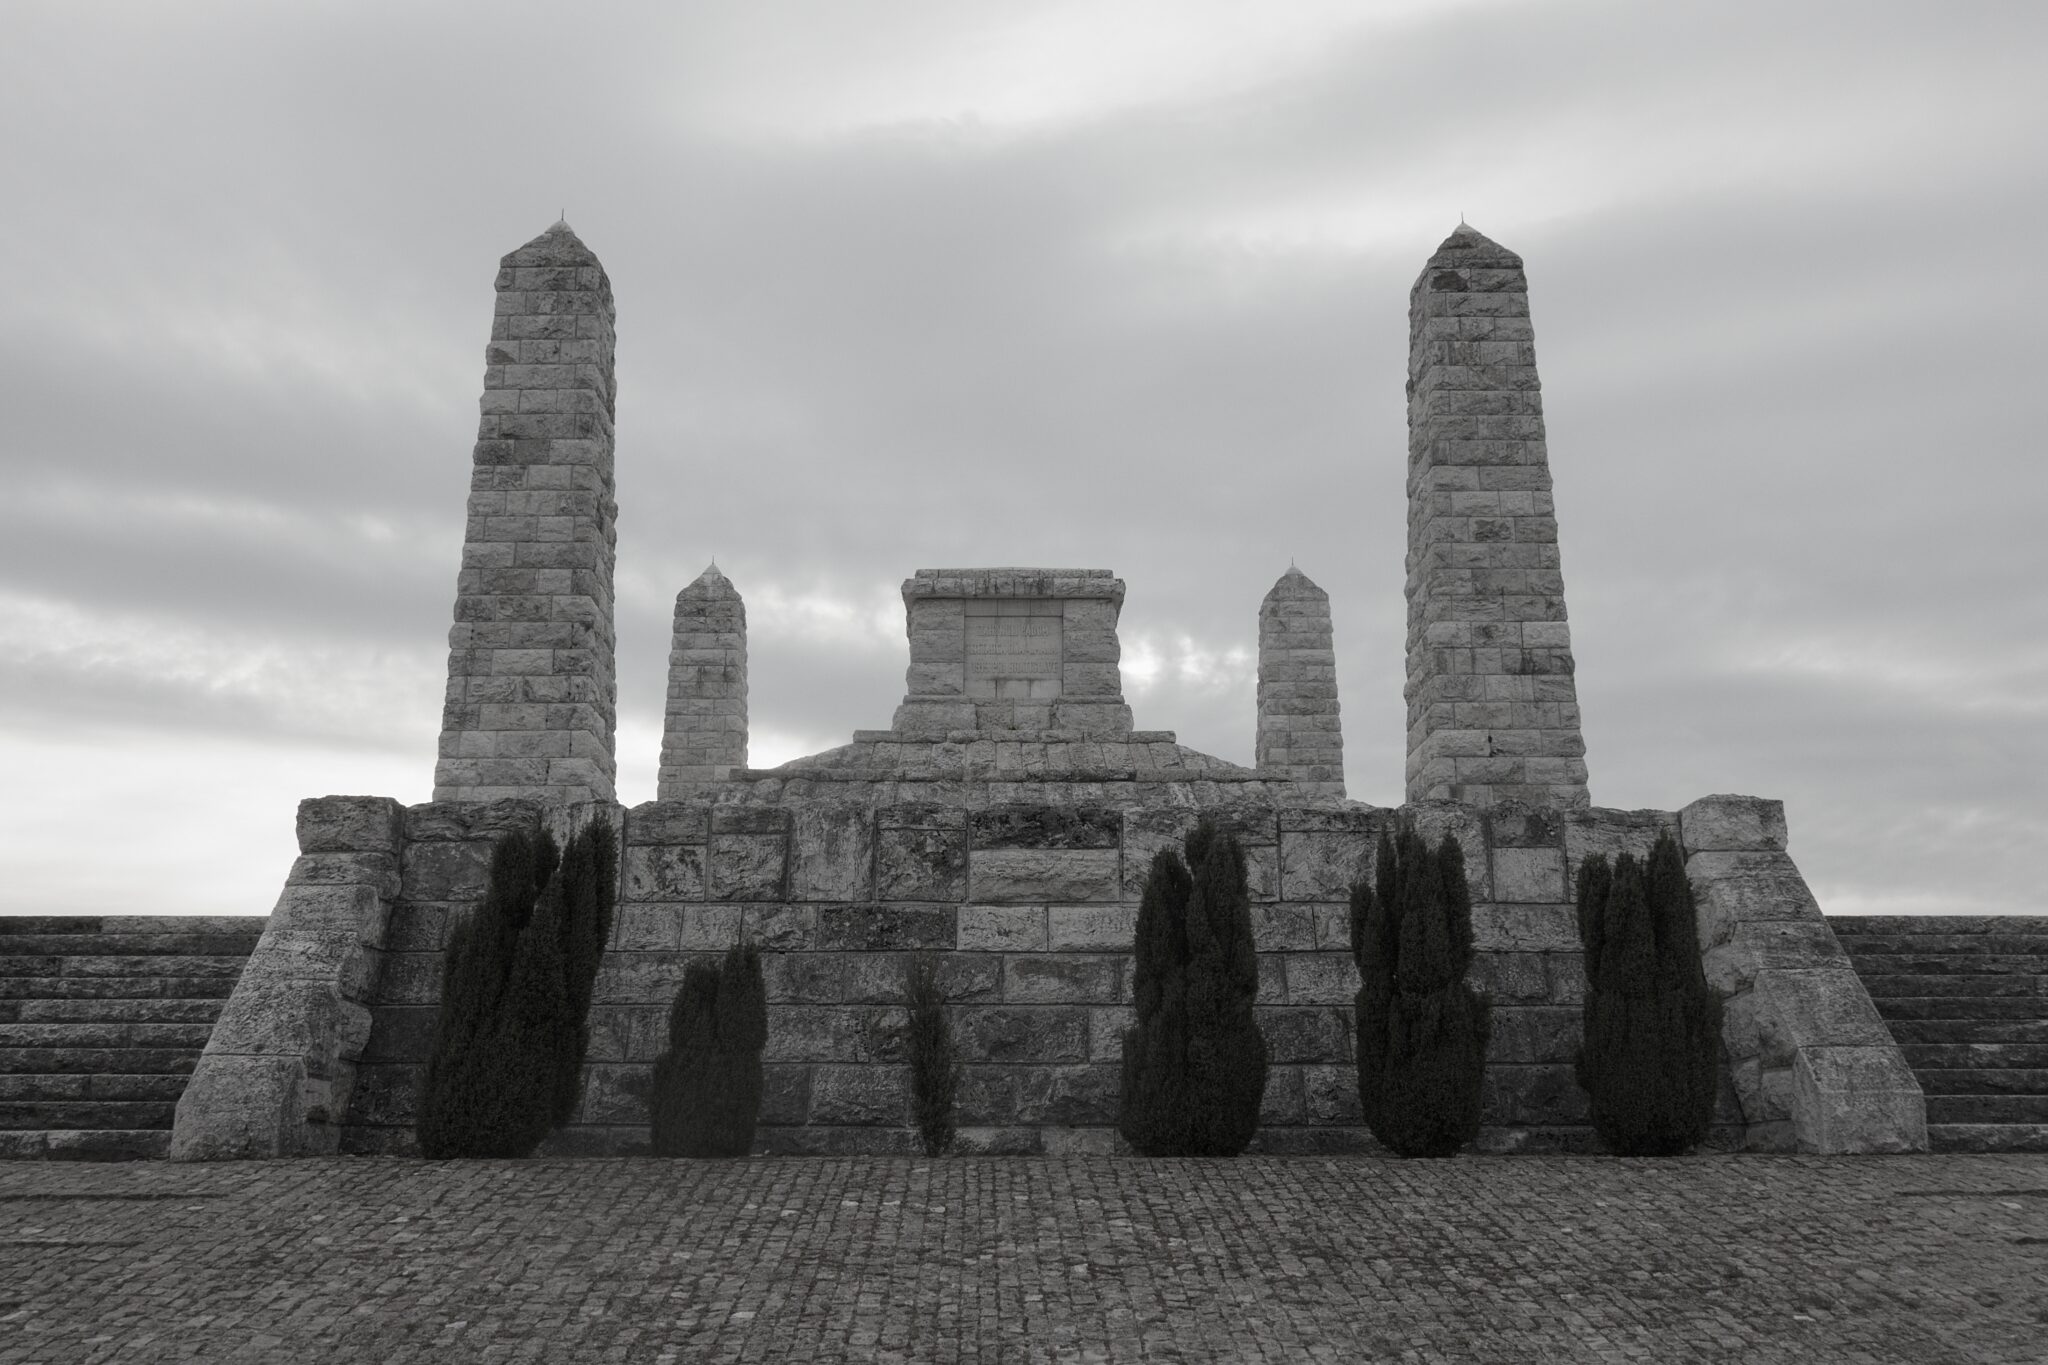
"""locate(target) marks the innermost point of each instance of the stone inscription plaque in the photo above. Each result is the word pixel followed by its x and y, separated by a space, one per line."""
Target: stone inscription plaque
pixel 1013 655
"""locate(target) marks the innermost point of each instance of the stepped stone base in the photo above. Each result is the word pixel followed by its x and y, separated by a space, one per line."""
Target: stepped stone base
pixel 102 1020
pixel 1967 999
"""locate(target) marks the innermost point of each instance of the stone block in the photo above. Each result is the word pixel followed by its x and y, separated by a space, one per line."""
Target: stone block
pixel 835 1033
pixel 616 1094
pixel 1796 1010
pixel 1516 825
pixel 663 872
pixel 1024 1033
pixel 358 910
pixel 643 928
pixel 1537 1095
pixel 1045 876
pixel 1525 928
pixel 832 853
pixel 1740 824
pixel 350 824
pixel 1434 819
pixel 379 871
pixel 238 1108
pixel 1856 1099
pixel 1062 978
pixel 1320 978
pixel 1322 865
pixel 469 821
pixel 1107 1026
pixel 446 871
pixel 1278 928
pixel 748 866
pixel 668 822
pixel 865 1096
pixel 306 1020
pixel 1527 875
pixel 1091 928
pixel 1329 1095
pixel 1318 1035
pixel 625 1033
pixel 1534 1034
pixel 885 928
pixel 408 979
pixel 1610 833
pixel 1002 928
pixel 785 1094
pixel 1332 926
pixel 1043 827
pixel 708 928
pixel 782 928
pixel 1067 1096
pixel 921 863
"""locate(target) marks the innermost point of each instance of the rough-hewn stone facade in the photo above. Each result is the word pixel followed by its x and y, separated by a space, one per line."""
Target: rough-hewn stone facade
pixel 1493 707
pixel 532 697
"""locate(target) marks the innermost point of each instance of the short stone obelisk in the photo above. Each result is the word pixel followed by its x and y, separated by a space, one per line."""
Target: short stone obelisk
pixel 1300 737
pixel 1493 710
pixel 532 697
pixel 705 735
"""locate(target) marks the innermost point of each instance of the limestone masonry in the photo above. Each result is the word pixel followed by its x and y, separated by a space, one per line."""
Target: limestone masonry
pixel 1007 814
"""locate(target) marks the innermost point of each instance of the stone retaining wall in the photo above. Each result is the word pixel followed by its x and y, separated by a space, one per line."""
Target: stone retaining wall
pixel 1031 909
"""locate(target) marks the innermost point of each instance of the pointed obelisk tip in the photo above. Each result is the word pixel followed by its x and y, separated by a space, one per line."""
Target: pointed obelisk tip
pixel 1466 238
pixel 710 583
pixel 1293 583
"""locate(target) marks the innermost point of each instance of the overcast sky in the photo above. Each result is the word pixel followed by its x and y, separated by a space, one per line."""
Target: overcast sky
pixel 1117 285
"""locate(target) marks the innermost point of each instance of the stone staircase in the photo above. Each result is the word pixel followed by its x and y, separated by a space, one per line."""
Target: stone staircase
pixel 101 1022
pixel 1967 999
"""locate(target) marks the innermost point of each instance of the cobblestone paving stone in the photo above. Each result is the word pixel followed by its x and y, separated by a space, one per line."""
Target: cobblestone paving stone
pixel 1923 1259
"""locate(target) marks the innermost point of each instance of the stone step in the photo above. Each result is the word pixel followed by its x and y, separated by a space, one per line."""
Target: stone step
pixel 97 1061
pixel 120 965
pixel 1969 1030
pixel 1987 1108
pixel 103 1114
pixel 15 925
pixel 1974 1056
pixel 75 1086
pixel 1987 1080
pixel 1860 926
pixel 104 1033
pixel 129 945
pixel 1977 984
pixel 1988 1008
pixel 87 1144
pixel 1988 1137
pixel 1951 964
pixel 143 1010
pixel 1873 950
pixel 217 987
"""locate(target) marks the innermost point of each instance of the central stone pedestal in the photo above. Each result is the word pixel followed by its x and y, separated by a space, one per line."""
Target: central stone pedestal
pixel 1013 649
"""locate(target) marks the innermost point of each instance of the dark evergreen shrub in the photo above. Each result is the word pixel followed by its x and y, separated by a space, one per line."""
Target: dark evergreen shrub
pixel 1651 1058
pixel 1422 1031
pixel 517 977
pixel 934 1060
pixel 1194 1063
pixel 706 1094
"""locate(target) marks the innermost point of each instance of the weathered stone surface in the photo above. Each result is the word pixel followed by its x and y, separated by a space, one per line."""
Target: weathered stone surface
pixel 1538 1033
pixel 704 730
pixel 377 871
pixel 1525 928
pixel 644 928
pixel 668 823
pixel 1546 1095
pixel 323 909
pixel 449 871
pixel 1063 978
pixel 1002 928
pixel 782 928
pixel 1739 824
pixel 239 1109
pixel 748 867
pixel 1610 833
pixel 1091 928
pixel 465 821
pixel 861 1095
pixel 1320 978
pixel 350 824
pixel 871 928
pixel 1856 1099
pixel 624 1034
pixel 1323 866
pixel 1277 928
pixel 671 872
pixel 832 853
pixel 1044 875
pixel 1317 1034
pixel 1796 1010
pixel 1434 819
pixel 836 1033
pixel 1027 1033
pixel 1299 736
pixel 1043 826
pixel 921 864
pixel 1528 875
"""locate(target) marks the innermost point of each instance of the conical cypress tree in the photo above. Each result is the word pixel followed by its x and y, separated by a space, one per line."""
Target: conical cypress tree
pixel 1650 1060
pixel 934 1058
pixel 535 1029
pixel 1194 1064
pixel 589 876
pixel 706 1097
pixel 466 1071
pixel 1422 1031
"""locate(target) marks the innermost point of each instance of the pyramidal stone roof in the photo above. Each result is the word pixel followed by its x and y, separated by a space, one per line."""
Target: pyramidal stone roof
pixel 710 583
pixel 1294 584
pixel 1469 244
pixel 559 245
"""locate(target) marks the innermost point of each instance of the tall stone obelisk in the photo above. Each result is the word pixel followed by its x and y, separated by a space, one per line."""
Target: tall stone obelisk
pixel 1493 708
pixel 1300 735
pixel 704 734
pixel 532 698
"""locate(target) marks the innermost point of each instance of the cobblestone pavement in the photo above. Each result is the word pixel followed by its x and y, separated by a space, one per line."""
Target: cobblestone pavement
pixel 1923 1259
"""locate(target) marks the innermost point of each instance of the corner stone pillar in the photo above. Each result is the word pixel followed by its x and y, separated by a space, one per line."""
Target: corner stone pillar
pixel 1493 709
pixel 1300 737
pixel 532 697
pixel 705 736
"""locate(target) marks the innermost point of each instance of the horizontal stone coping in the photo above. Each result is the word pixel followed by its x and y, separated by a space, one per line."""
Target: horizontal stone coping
pixel 1014 582
pixel 133 924
pixel 930 739
pixel 895 772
